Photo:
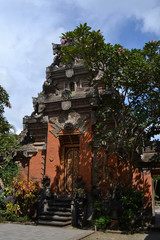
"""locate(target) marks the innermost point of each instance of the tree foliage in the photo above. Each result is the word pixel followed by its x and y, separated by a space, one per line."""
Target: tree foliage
pixel 131 100
pixel 4 102
pixel 8 142
pixel 128 114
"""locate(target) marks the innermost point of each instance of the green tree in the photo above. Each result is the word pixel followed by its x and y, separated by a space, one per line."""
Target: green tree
pixel 4 102
pixel 128 114
pixel 8 142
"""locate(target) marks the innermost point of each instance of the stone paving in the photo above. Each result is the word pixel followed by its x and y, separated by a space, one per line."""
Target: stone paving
pixel 119 236
pixel 10 231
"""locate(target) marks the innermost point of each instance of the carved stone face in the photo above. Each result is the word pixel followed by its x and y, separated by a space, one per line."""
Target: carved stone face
pixel 69 126
pixel 69 73
pixel 66 105
pixel 66 94
pixel 41 107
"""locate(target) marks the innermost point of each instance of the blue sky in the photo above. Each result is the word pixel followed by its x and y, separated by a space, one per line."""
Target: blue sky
pixel 29 27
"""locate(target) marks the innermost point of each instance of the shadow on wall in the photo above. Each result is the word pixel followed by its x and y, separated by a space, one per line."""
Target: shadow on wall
pixel 86 156
pixel 56 181
pixel 114 176
pixel 84 166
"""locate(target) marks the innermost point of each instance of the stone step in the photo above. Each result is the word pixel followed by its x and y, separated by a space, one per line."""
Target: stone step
pixel 63 204
pixel 63 198
pixel 54 223
pixel 55 217
pixel 57 213
pixel 64 209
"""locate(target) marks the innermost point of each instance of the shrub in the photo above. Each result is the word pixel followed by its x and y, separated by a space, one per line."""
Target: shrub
pixel 129 208
pixel 100 217
pixel 8 191
pixel 132 207
pixel 26 196
pixel 8 172
pixel 2 216
pixel 12 211
pixel 2 205
pixel 102 222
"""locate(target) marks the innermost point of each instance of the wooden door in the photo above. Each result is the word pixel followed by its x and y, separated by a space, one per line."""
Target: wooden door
pixel 71 168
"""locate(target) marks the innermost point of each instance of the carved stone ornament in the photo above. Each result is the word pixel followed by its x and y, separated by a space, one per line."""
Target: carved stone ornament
pixel 66 105
pixel 68 122
pixel 66 94
pixel 69 126
pixel 69 73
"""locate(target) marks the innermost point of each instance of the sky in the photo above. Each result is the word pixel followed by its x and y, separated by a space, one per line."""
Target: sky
pixel 29 27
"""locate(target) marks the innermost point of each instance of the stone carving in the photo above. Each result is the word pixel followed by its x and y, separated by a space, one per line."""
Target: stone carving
pixel 66 105
pixel 35 105
pixel 41 107
pixel 57 58
pixel 69 73
pixel 66 94
pixel 38 105
pixel 56 48
pixel 24 137
pixel 69 121
pixel 68 126
pixel 99 75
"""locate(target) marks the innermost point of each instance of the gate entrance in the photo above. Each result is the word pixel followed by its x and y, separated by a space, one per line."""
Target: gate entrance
pixel 71 168
pixel 70 162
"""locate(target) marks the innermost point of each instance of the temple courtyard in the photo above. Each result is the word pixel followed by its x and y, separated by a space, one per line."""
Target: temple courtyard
pixel 10 231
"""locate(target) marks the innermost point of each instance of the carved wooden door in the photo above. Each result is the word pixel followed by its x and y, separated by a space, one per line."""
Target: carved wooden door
pixel 71 168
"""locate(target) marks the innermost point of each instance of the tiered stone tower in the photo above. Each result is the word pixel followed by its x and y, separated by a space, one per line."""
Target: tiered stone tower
pixel 56 136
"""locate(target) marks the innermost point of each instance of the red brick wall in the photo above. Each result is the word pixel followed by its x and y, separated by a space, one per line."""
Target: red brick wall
pixel 24 167
pixel 143 181
pixel 54 168
pixel 32 168
pixel 53 164
pixel 121 172
pixel 35 167
pixel 53 158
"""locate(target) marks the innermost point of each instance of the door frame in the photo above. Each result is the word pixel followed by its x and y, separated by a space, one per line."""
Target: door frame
pixel 63 177
pixel 66 150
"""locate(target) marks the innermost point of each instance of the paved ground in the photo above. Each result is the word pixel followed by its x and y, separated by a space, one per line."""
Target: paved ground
pixel 118 236
pixel 28 232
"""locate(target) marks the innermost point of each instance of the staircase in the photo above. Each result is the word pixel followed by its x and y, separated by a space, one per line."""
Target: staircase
pixel 57 212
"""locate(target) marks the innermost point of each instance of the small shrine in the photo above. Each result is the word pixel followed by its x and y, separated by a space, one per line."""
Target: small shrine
pixel 56 136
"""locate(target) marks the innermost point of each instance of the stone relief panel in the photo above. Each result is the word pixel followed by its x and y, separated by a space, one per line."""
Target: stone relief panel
pixel 69 121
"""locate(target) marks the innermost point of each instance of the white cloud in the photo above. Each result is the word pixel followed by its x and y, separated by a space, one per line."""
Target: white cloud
pixel 28 27
pixel 111 14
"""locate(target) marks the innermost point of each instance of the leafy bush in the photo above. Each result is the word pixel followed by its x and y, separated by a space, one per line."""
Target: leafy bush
pixel 26 196
pixel 100 217
pixel 8 172
pixel 129 208
pixel 1 199
pixel 2 215
pixel 102 222
pixel 2 205
pixel 8 191
pixel 132 207
pixel 12 211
